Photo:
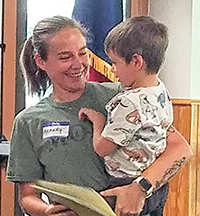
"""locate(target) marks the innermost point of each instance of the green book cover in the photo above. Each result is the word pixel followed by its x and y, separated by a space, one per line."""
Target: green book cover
pixel 83 200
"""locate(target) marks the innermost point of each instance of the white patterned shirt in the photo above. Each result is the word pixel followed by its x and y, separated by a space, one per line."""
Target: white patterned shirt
pixel 137 122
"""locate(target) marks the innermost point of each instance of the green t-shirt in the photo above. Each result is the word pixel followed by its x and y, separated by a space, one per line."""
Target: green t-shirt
pixel 50 142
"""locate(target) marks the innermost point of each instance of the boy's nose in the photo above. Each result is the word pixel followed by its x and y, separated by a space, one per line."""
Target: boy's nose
pixel 113 68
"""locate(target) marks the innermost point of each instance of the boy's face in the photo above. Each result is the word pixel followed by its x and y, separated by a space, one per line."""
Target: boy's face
pixel 125 72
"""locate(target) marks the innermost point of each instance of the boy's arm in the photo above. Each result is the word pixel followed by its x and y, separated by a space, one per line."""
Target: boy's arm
pixel 102 146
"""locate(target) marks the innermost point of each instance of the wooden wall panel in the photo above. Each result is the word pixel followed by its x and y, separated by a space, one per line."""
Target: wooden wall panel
pixel 177 203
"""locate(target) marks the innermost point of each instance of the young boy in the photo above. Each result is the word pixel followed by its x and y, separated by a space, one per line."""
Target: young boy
pixel 138 118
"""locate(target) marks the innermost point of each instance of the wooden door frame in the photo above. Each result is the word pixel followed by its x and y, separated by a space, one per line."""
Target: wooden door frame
pixel 12 92
pixel 139 7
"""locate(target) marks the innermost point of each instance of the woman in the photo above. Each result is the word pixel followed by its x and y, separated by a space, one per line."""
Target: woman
pixel 48 140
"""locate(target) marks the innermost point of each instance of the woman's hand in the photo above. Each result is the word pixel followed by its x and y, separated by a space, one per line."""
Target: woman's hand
pixel 59 210
pixel 130 199
pixel 32 204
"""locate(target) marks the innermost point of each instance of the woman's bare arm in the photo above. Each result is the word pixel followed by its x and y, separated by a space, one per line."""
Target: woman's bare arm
pixel 167 165
pixel 171 161
pixel 32 204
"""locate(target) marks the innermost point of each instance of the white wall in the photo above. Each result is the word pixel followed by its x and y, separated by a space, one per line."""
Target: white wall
pixel 177 16
pixel 195 63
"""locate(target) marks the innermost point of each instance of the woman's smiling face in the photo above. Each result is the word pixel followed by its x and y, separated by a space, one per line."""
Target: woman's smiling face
pixel 68 61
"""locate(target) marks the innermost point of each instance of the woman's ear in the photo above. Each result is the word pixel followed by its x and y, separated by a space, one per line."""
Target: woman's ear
pixel 39 61
pixel 138 61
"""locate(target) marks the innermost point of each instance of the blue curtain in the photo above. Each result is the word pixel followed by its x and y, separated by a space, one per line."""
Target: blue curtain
pixel 99 17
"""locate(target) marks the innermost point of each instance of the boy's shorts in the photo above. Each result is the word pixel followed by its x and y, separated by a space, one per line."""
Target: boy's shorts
pixel 154 205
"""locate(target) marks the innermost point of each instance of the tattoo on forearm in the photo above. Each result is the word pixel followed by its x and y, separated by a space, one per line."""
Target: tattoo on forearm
pixel 169 173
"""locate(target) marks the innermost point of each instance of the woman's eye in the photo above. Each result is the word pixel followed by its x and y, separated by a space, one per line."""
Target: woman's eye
pixel 64 57
pixel 83 53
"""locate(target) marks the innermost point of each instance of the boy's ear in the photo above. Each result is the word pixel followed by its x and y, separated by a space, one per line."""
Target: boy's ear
pixel 39 61
pixel 138 61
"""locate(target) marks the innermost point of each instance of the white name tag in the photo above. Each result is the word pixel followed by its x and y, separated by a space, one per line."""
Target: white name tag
pixel 55 129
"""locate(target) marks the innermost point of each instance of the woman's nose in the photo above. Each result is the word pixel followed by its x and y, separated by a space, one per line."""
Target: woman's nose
pixel 77 62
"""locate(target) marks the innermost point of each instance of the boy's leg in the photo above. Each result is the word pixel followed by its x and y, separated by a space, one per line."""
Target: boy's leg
pixel 154 205
pixel 158 212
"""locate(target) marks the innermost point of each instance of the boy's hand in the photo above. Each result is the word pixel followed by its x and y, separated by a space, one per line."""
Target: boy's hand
pixel 92 115
pixel 102 146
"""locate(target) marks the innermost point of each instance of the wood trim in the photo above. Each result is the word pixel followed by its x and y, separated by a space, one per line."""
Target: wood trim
pixel 7 194
pixel 176 101
pixel 9 66
pixel 194 174
pixel 101 66
pixel 8 98
pixel 197 116
pixel 195 101
pixel 139 7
